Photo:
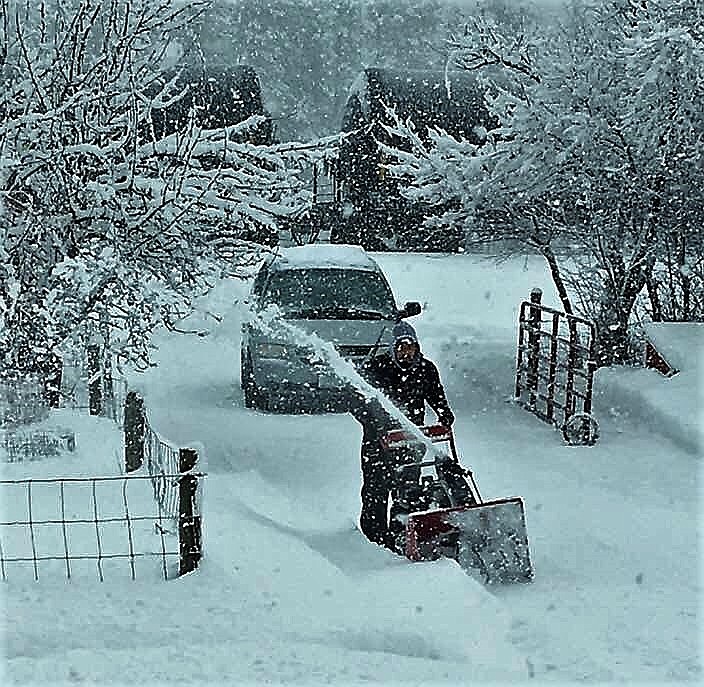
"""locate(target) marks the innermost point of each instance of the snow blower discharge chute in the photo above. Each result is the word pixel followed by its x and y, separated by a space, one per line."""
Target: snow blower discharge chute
pixel 442 513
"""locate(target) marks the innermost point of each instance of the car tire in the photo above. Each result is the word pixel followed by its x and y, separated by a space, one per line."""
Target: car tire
pixel 250 392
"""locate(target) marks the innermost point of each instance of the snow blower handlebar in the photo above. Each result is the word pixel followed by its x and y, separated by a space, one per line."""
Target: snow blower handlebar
pixel 401 438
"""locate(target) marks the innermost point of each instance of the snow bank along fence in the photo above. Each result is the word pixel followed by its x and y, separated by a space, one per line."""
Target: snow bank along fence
pixel 74 522
pixel 555 368
pixel 175 481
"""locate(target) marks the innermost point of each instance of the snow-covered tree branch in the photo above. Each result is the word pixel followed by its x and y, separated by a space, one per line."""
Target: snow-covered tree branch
pixel 106 228
pixel 598 150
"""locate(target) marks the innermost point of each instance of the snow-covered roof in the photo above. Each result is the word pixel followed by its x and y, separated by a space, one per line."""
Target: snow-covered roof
pixel 324 255
pixel 220 95
pixel 681 344
pixel 451 100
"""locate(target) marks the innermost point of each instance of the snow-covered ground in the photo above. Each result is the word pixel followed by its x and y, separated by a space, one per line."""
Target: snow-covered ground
pixel 289 592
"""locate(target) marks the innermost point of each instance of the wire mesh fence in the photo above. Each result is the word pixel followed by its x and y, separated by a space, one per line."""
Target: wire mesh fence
pixel 21 400
pixel 179 499
pixel 161 459
pixel 26 431
pixel 75 525
pixel 28 443
pixel 113 523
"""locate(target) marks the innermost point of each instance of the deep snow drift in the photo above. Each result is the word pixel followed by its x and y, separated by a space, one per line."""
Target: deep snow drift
pixel 290 593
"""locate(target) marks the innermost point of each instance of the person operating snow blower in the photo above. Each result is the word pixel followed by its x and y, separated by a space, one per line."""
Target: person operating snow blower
pixel 409 380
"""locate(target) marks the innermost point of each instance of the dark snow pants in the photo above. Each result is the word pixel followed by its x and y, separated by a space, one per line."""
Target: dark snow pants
pixel 376 486
pixel 380 476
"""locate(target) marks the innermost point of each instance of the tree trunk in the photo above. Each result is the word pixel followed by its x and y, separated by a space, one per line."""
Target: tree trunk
pixel 95 382
pixel 52 380
pixel 654 297
pixel 685 281
pixel 551 259
pixel 612 325
pixel 611 343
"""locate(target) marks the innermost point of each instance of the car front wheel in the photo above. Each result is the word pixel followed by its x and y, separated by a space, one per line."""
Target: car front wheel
pixel 250 392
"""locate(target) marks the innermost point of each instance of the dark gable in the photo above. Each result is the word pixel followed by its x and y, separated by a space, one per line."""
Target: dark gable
pixel 422 97
pixel 221 96
pixel 377 216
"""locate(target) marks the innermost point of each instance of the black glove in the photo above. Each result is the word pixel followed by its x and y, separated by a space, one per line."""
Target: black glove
pixel 447 419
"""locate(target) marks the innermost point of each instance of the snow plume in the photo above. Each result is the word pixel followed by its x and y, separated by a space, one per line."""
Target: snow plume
pixel 324 357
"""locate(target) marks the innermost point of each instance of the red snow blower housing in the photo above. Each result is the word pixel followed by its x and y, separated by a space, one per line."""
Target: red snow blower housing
pixel 436 510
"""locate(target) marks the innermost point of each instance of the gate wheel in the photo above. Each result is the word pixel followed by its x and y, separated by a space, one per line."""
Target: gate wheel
pixel 581 429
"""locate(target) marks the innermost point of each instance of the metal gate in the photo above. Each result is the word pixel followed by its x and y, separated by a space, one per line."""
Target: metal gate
pixel 555 368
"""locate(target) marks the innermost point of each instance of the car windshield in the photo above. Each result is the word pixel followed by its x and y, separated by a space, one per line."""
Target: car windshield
pixel 316 293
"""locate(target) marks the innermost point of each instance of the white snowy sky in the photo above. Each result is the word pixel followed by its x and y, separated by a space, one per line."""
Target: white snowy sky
pixel 289 592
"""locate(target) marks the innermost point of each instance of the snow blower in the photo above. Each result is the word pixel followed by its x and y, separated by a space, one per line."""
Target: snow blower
pixel 441 513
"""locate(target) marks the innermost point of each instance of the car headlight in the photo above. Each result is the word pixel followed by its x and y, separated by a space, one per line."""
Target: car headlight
pixel 272 350
pixel 283 351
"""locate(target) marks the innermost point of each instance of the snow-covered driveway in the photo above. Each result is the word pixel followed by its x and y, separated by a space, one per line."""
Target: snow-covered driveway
pixel 614 528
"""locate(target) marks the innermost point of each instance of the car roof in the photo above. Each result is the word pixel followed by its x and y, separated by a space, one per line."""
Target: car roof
pixel 323 255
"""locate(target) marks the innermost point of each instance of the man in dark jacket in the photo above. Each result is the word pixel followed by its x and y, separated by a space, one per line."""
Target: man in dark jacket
pixel 409 380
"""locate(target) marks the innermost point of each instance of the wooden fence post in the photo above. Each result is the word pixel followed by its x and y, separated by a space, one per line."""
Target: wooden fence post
pixel 552 370
pixel 189 523
pixel 134 428
pixel 591 369
pixel 534 327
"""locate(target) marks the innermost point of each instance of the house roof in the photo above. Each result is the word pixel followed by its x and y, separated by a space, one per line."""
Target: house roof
pixel 452 100
pixel 680 344
pixel 220 96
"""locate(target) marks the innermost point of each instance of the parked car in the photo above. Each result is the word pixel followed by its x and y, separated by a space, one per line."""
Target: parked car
pixel 337 291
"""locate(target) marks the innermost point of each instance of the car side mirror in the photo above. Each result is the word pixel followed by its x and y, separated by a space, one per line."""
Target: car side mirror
pixel 409 310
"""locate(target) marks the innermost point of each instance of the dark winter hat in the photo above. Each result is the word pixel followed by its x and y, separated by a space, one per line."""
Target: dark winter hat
pixel 404 332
